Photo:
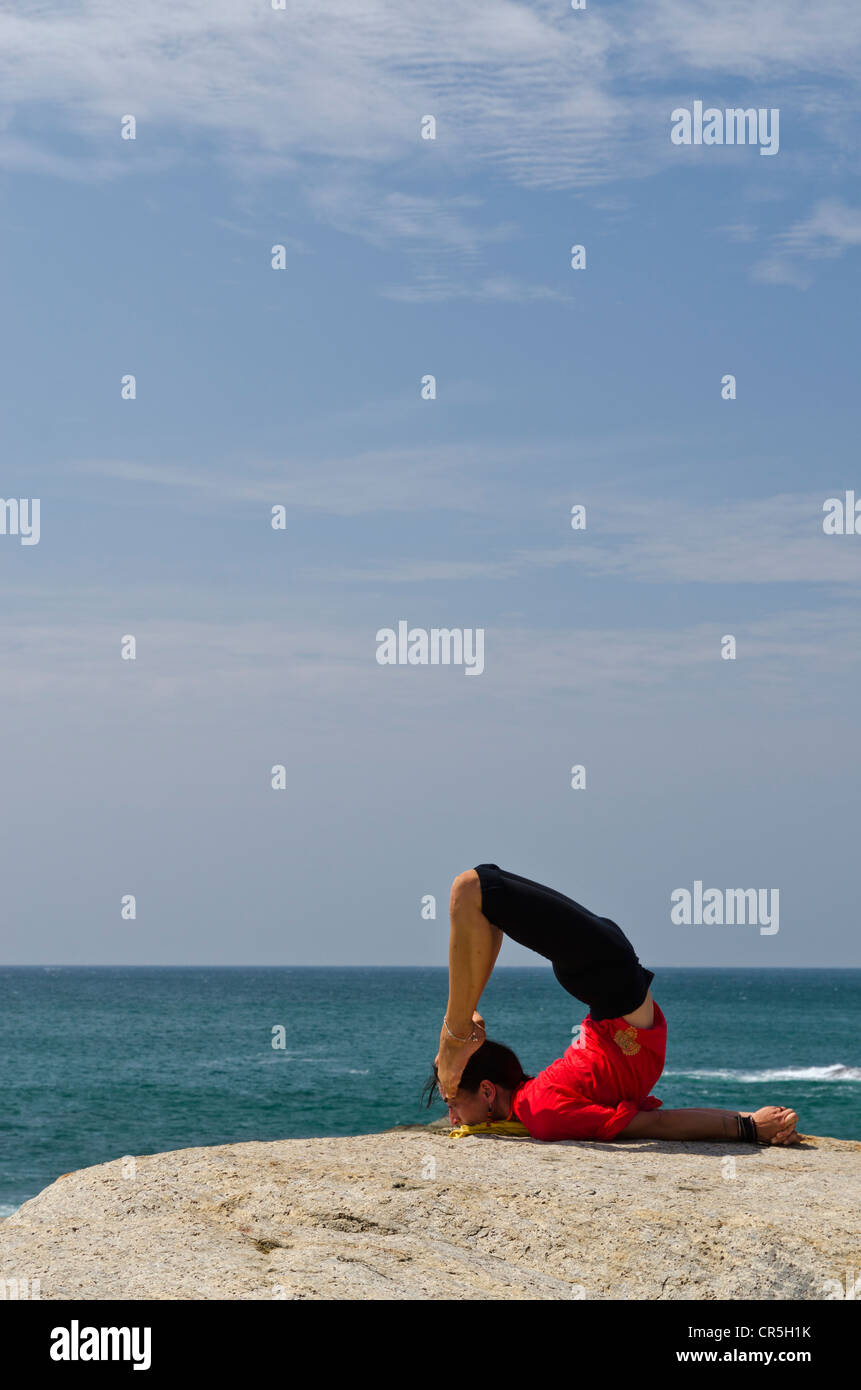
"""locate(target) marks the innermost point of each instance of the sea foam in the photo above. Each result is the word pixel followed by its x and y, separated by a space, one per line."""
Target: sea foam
pixel 835 1072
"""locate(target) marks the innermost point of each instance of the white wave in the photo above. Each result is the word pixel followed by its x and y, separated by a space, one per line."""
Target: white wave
pixel 835 1072
pixel 6 1210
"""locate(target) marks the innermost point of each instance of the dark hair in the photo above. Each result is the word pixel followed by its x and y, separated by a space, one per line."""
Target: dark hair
pixel 493 1061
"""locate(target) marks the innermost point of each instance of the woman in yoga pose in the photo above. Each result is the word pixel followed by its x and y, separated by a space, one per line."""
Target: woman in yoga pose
pixel 600 1088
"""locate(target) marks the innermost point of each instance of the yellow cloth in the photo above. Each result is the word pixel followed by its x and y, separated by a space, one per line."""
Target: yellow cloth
pixel 511 1127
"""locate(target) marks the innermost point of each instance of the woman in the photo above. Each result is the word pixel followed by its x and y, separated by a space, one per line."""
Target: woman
pixel 600 1088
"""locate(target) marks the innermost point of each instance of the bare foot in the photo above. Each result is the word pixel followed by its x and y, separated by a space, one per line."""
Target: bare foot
pixel 775 1124
pixel 453 1056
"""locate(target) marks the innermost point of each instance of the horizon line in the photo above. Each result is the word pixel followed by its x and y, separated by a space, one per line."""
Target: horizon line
pixel 157 965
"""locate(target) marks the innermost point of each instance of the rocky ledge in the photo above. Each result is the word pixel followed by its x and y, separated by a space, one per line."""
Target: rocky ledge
pixel 412 1214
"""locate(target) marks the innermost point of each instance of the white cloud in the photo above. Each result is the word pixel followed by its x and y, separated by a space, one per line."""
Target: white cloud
pixel 414 221
pixel 430 288
pixel 328 79
pixel 771 38
pixel 185 666
pixel 660 539
pixel 738 231
pixel 831 229
pixel 768 540
pixel 774 540
pixel 776 270
pixel 547 97
pixel 445 477
pixel 327 97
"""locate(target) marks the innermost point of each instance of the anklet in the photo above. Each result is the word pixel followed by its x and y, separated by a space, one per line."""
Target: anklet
pixel 473 1037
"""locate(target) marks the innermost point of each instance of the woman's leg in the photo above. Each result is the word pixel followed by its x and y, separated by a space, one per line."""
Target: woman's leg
pixel 474 944
pixel 591 956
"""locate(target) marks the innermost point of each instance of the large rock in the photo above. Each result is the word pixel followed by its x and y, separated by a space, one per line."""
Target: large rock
pixel 412 1214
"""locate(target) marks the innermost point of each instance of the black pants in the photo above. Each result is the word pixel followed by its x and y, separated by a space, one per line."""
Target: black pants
pixel 591 956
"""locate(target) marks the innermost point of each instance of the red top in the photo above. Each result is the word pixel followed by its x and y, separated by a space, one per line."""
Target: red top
pixel 598 1085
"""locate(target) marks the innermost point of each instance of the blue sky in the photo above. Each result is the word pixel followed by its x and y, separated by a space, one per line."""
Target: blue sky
pixel 257 387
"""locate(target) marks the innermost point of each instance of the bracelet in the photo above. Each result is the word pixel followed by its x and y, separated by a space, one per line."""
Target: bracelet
pixel 473 1037
pixel 747 1129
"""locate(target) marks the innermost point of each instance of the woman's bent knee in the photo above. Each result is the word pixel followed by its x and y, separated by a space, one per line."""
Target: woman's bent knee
pixel 466 891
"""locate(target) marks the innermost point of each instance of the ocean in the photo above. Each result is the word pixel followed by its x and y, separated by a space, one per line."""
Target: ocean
pixel 104 1062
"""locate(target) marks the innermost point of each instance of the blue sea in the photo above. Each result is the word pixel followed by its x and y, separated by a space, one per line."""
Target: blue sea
pixel 103 1062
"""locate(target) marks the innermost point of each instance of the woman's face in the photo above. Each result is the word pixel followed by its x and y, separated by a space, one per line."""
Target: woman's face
pixel 471 1108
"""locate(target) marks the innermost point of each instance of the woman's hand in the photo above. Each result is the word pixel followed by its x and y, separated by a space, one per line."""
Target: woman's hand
pixel 453 1056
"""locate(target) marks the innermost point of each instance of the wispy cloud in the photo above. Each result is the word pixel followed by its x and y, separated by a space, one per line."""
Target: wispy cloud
pixel 185 665
pixel 328 97
pixel 770 540
pixel 773 38
pixel 775 540
pixel 737 231
pixel 413 221
pixel 547 97
pixel 657 539
pixel 446 477
pixel 830 231
pixel 501 289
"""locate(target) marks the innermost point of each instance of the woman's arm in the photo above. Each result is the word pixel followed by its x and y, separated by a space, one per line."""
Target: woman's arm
pixel 775 1124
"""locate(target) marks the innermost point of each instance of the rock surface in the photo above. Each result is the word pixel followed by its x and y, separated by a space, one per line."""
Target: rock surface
pixel 412 1214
